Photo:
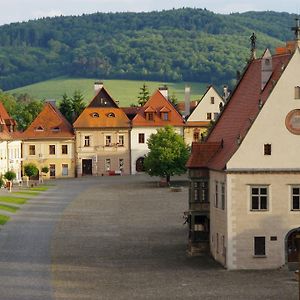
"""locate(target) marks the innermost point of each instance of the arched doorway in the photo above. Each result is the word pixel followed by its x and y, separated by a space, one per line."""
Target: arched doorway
pixel 291 247
pixel 139 165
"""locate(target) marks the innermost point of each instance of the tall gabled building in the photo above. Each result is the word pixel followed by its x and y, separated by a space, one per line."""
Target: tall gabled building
pixel 10 144
pixel 248 170
pixel 157 112
pixel 49 142
pixel 102 137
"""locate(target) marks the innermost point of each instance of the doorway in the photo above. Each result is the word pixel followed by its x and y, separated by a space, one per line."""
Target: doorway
pixel 291 248
pixel 139 165
pixel 87 167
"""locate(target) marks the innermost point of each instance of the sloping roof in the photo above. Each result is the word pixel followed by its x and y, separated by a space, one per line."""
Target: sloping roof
pixel 130 111
pixel 202 154
pixel 49 124
pixel 6 121
pixel 103 99
pixel 155 103
pixel 99 117
pixel 180 106
pixel 242 108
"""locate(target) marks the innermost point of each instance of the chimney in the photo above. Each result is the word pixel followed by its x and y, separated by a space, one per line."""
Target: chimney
pixel 225 93
pixel 296 29
pixel 266 68
pixel 98 85
pixel 164 91
pixel 187 101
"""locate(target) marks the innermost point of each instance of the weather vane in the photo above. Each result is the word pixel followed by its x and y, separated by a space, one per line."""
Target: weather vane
pixel 253 45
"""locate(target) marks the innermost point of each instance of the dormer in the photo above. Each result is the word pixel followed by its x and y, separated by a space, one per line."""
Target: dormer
pixel 165 114
pixel 55 129
pixel 149 113
pixel 266 68
pixel 39 128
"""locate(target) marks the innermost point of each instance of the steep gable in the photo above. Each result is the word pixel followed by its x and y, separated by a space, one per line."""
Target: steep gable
pixel 7 125
pixel 103 99
pixel 242 109
pixel 50 123
pixel 157 111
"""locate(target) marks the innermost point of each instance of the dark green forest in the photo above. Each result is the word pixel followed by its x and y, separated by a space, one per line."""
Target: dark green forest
pixel 173 45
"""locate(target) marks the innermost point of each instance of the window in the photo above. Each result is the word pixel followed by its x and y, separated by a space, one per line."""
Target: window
pixel 111 115
pixel 208 116
pixel 216 116
pixel 52 170
pixel 141 138
pixel 295 198
pixel 31 149
pixel 212 100
pixel 149 116
pixel 196 136
pixel 87 141
pixel 200 191
pixel 121 164
pixel 297 92
pixel 121 140
pixel 217 240
pixel 223 195
pixel 107 164
pixel 65 170
pixel 95 115
pixel 259 245
pixel 52 149
pixel 64 149
pixel 259 198
pixel 267 149
pixel 39 128
pixel 216 195
pixel 165 116
pixel 55 129
pixel 108 140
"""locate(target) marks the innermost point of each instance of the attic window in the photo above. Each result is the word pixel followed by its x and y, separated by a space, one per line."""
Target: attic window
pixel 267 61
pixel 55 129
pixel 165 116
pixel 297 92
pixel 267 149
pixel 95 115
pixel 149 116
pixel 40 128
pixel 111 115
pixel 212 100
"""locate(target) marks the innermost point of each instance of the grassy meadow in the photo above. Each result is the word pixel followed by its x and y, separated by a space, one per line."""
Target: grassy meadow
pixel 124 91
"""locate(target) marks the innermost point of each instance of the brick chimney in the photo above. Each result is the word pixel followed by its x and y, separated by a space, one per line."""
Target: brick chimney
pixel 187 101
pixel 164 91
pixel 266 68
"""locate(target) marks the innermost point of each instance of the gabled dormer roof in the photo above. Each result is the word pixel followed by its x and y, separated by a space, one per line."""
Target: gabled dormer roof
pixel 242 109
pixel 49 124
pixel 157 104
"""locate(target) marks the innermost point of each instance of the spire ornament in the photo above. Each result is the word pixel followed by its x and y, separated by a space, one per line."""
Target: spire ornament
pixel 253 45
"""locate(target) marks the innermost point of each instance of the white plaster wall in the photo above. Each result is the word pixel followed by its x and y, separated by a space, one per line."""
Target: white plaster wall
pixel 269 128
pixel 139 150
pixel 205 106
pixel 3 157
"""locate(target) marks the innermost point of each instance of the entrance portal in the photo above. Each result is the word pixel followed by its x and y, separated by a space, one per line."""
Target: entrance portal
pixel 291 247
pixel 139 166
pixel 87 167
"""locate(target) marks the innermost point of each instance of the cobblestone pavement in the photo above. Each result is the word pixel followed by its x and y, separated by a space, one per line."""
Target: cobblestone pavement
pixel 117 238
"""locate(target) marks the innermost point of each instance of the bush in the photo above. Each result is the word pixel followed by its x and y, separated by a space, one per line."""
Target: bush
pixel 45 170
pixel 31 170
pixel 10 175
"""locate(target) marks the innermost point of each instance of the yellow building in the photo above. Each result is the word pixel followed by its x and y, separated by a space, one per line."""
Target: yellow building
pixel 49 142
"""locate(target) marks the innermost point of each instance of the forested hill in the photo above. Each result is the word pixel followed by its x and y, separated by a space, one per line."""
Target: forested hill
pixel 175 45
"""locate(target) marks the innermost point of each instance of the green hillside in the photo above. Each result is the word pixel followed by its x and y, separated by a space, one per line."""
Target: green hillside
pixel 124 91
pixel 179 45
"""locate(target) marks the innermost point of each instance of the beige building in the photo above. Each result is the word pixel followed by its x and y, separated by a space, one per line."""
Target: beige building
pixel 206 112
pixel 248 169
pixel 49 142
pixel 102 137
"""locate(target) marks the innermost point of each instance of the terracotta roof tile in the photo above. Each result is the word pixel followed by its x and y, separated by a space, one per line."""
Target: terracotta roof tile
pixel 49 124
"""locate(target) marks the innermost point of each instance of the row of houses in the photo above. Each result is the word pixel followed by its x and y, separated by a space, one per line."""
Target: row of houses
pixel 105 139
pixel 244 203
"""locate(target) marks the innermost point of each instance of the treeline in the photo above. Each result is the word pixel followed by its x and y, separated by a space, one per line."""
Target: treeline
pixel 175 45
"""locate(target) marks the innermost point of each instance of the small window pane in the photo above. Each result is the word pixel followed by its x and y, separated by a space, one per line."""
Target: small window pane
pixel 263 191
pixel 254 191
pixel 296 191
pixel 296 202
pixel 263 202
pixel 255 203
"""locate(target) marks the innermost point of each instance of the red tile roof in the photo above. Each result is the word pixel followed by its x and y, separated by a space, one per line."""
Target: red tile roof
pixel 155 104
pixel 49 124
pixel 241 109
pixel 6 121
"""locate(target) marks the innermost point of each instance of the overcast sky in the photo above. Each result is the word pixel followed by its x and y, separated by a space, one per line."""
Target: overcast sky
pixel 23 10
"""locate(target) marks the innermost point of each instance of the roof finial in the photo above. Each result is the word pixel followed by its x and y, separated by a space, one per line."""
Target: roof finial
pixel 296 29
pixel 253 45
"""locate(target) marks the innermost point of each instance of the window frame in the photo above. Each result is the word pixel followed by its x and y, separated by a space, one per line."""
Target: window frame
pixel 121 140
pixel 267 149
pixel 64 167
pixel 107 164
pixel 259 250
pixel 52 150
pixel 297 92
pixel 87 141
pixel 64 149
pixel 212 100
pixel 223 199
pixel 141 138
pixel 208 116
pixel 259 197
pixel 30 150
pixel 216 194
pixel 295 195
pixel 108 140
pixel 165 116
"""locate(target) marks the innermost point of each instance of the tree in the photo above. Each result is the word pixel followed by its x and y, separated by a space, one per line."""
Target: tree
pixel 168 154
pixel 66 107
pixel 143 95
pixel 10 176
pixel 173 99
pixel 31 170
pixel 77 104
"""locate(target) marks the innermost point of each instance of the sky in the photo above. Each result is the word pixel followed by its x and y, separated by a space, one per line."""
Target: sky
pixel 23 10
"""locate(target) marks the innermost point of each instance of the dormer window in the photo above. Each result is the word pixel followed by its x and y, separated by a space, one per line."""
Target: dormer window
pixel 40 128
pixel 212 100
pixel 165 116
pixel 55 129
pixel 95 115
pixel 297 92
pixel 150 116
pixel 111 115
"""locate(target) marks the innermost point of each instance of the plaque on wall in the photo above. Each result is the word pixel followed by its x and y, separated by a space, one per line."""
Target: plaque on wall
pixel 292 121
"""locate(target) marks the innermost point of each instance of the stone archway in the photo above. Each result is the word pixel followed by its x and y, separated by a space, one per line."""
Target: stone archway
pixel 139 165
pixel 291 247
